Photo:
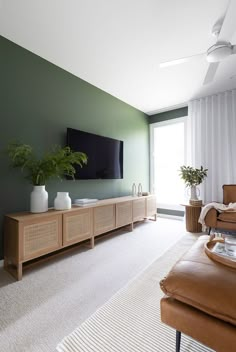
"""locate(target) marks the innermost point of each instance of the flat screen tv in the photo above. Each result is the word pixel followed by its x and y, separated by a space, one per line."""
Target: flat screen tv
pixel 105 155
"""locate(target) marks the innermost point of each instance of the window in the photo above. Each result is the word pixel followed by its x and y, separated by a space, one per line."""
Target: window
pixel 167 155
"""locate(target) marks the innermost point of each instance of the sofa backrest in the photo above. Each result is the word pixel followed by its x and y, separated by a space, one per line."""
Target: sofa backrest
pixel 229 194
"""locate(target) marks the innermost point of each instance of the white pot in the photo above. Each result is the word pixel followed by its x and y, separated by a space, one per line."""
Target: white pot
pixel 39 200
pixel 62 201
pixel 194 193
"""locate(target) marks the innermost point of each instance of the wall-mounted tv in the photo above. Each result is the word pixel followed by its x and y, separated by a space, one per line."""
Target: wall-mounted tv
pixel 105 155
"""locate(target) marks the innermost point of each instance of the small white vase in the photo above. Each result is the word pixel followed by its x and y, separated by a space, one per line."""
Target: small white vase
pixel 194 193
pixel 62 201
pixel 39 200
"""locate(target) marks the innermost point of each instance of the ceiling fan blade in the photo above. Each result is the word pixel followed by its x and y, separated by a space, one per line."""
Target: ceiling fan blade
pixel 228 26
pixel 211 72
pixel 180 61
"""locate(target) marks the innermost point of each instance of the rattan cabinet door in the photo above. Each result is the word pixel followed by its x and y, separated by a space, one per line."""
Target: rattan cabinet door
pixel 123 214
pixel 151 207
pixel 139 209
pixel 77 226
pixel 104 219
pixel 40 236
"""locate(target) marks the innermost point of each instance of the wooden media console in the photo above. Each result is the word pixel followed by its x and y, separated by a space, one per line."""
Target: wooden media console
pixel 29 236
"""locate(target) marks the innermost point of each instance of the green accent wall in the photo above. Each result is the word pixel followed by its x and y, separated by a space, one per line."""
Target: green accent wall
pixel 168 115
pixel 38 102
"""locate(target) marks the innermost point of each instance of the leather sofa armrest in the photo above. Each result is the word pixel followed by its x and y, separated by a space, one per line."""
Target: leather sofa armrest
pixel 211 218
pixel 199 282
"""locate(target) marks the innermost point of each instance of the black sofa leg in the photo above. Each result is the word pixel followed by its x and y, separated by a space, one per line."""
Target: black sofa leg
pixel 178 339
pixel 209 231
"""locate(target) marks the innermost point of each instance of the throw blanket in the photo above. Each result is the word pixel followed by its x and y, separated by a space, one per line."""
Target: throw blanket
pixel 218 206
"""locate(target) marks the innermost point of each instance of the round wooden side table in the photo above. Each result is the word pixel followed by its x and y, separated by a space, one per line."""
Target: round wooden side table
pixel 192 213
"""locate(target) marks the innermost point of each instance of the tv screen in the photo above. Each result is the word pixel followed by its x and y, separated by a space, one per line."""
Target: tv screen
pixel 105 155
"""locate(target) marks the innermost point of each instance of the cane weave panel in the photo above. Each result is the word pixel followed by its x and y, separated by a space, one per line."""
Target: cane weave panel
pixel 104 219
pixel 123 213
pixel 139 209
pixel 39 237
pixel 78 227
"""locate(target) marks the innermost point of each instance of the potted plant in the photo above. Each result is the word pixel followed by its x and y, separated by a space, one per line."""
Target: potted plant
pixel 192 178
pixel 58 162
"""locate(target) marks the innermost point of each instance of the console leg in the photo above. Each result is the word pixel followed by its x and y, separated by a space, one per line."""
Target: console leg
pixel 92 242
pixel 178 339
pixel 154 218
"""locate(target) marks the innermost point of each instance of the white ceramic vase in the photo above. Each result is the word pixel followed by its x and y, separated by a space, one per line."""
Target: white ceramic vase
pixel 62 201
pixel 194 193
pixel 39 200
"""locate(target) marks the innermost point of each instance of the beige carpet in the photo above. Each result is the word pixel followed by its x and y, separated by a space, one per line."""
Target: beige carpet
pixel 130 320
pixel 54 298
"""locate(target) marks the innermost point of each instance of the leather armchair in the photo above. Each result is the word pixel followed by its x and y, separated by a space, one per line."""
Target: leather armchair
pixel 200 300
pixel 226 220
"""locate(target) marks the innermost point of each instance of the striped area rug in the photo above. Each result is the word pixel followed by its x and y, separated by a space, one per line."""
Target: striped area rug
pixel 130 320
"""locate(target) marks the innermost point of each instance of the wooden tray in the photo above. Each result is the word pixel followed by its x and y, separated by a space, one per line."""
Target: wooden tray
pixel 229 261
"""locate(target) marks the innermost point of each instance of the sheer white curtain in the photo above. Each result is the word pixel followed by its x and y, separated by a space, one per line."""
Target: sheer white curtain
pixel 212 141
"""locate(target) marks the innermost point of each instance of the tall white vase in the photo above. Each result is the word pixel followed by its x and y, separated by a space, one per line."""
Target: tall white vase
pixel 62 201
pixel 39 200
pixel 194 193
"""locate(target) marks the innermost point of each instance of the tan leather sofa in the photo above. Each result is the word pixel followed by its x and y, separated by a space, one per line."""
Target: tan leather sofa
pixel 200 300
pixel 226 220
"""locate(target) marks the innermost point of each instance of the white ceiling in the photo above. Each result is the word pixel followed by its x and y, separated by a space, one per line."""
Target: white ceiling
pixel 117 45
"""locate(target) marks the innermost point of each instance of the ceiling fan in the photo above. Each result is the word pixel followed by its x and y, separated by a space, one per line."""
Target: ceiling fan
pixel 222 30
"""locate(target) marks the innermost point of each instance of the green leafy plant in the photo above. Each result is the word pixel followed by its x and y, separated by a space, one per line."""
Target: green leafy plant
pixel 58 162
pixel 192 176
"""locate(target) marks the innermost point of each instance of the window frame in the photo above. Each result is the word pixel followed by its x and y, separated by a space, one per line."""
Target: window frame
pixel 152 184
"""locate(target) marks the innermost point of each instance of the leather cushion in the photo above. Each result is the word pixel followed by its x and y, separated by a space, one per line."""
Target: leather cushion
pixel 229 194
pixel 202 283
pixel 212 332
pixel 227 216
